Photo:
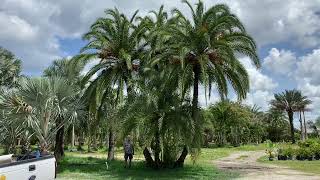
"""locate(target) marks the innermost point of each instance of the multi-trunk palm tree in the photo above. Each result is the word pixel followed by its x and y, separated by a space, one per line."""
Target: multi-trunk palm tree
pixel 203 51
pixel 290 101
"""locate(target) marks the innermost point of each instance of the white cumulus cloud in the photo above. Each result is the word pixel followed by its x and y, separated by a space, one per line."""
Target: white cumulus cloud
pixel 280 62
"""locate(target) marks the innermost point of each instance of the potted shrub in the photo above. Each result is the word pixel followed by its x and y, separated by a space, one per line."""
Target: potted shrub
pixel 300 154
pixel 281 155
pixel 304 154
pixel 288 153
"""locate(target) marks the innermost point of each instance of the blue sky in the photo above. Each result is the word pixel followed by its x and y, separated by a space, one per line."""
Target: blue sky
pixel 287 33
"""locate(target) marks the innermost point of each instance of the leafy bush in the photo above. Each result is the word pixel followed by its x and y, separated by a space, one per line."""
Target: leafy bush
pixel 315 148
pixel 288 152
pixel 304 153
pixel 308 143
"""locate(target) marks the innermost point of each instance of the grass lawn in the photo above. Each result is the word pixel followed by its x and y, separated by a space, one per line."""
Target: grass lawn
pixel 304 166
pixel 85 166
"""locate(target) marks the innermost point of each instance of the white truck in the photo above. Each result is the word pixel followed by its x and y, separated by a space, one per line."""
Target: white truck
pixel 27 168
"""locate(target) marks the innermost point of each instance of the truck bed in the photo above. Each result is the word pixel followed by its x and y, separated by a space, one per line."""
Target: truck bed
pixel 42 168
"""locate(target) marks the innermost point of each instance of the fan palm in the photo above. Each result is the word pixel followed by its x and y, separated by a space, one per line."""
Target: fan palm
pixel 288 101
pixel 10 68
pixel 70 71
pixel 207 48
pixel 40 102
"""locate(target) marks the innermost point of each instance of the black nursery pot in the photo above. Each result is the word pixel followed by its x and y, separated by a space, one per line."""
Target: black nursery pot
pixel 317 157
pixel 282 157
pixel 300 158
pixel 310 158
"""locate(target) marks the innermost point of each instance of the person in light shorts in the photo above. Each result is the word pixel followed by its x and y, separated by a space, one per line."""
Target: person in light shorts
pixel 128 151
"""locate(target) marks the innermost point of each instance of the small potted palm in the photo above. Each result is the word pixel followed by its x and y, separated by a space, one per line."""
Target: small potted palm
pixel 271 149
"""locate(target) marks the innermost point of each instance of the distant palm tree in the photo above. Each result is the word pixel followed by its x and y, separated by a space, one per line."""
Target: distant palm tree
pixel 303 102
pixel 289 101
pixel 10 68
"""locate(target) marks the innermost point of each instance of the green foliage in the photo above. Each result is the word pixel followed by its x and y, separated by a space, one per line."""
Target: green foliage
pixel 303 153
pixel 289 152
pixel 10 68
pixel 39 102
pixel 234 123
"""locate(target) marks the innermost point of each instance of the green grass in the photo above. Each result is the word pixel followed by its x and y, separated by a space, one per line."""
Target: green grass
pixel 91 166
pixel 304 166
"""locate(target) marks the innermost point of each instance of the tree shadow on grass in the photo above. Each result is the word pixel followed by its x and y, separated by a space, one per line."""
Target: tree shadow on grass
pixel 96 168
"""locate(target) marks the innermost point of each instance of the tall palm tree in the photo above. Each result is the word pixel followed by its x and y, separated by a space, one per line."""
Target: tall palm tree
pixel 207 46
pixel 10 68
pixel 288 101
pixel 303 102
pixel 206 49
pixel 116 41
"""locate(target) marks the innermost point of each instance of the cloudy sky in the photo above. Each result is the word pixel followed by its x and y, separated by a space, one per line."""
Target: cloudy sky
pixel 287 33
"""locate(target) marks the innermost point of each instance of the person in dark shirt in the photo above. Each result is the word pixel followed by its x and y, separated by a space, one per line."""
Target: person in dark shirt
pixel 128 151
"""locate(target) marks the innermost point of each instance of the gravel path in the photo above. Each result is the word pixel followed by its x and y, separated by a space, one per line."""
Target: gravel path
pixel 246 163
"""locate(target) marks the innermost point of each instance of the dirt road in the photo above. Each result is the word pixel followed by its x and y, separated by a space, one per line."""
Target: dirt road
pixel 246 163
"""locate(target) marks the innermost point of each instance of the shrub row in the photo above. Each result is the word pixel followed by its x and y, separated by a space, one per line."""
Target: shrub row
pixel 307 150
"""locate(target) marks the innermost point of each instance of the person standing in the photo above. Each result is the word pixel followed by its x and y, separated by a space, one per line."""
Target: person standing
pixel 128 151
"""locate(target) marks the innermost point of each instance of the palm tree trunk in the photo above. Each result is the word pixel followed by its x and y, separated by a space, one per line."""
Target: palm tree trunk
pixel 73 138
pixel 148 157
pixel 301 127
pixel 94 141
pixel 59 144
pixel 111 145
pixel 195 96
pixel 290 115
pixel 305 127
pixel 180 161
pixel 157 149
pixel 196 71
